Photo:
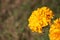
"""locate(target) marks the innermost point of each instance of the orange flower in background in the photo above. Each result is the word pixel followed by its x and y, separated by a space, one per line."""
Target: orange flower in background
pixel 40 18
pixel 54 32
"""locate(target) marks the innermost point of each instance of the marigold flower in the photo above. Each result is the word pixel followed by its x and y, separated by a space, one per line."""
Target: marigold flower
pixel 40 18
pixel 54 32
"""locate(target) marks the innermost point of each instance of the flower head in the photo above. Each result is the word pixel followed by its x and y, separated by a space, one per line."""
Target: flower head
pixel 40 18
pixel 54 32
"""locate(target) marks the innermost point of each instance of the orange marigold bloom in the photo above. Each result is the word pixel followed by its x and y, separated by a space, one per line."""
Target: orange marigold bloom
pixel 54 32
pixel 40 18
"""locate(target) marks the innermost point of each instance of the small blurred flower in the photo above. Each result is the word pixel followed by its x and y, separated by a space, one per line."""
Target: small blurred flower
pixel 54 32
pixel 40 18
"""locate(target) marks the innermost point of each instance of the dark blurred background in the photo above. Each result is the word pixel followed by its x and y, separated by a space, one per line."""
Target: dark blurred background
pixel 14 16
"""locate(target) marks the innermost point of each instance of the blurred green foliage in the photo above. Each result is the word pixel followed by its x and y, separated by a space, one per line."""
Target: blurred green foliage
pixel 14 16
